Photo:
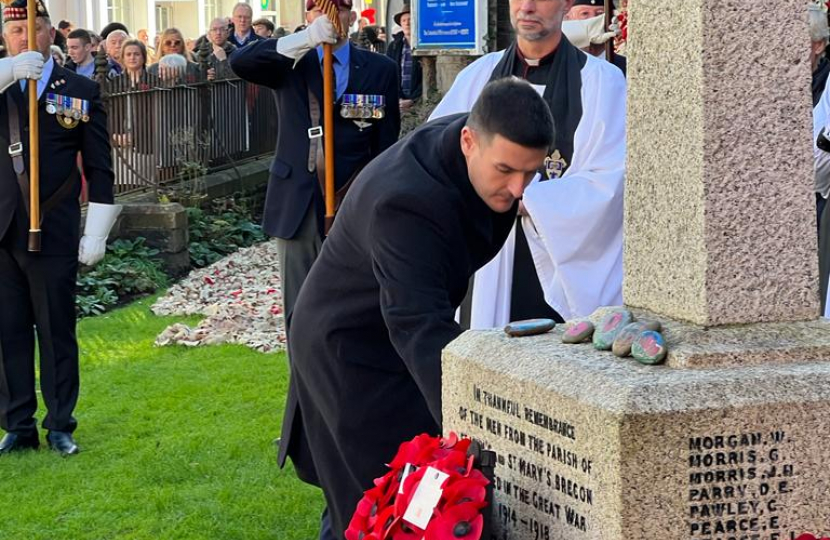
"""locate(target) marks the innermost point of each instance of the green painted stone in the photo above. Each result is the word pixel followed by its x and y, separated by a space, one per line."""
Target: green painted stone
pixel 578 332
pixel 624 340
pixel 609 327
pixel 649 348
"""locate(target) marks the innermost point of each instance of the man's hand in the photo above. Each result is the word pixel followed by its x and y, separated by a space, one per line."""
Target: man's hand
pixel 321 31
pixel 296 45
pixel 219 53
pixel 28 65
pixel 99 220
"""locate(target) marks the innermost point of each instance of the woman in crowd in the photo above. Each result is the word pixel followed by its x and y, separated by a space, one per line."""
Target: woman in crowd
pixel 172 42
pixel 134 61
pixel 130 113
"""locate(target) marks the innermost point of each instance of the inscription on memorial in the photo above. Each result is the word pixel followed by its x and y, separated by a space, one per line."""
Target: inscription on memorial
pixel 545 480
pixel 739 485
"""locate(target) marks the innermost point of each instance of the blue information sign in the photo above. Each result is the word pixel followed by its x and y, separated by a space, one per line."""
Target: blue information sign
pixel 447 24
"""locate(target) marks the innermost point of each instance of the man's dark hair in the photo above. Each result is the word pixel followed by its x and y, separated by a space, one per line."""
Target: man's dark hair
pixel 264 22
pixel 63 25
pixel 513 109
pixel 81 34
pixel 112 27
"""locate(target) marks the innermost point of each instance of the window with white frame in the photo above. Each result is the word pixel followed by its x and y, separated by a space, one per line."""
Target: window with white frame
pixel 120 11
pixel 212 10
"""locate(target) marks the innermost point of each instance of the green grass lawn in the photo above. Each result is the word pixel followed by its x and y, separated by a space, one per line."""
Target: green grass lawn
pixel 176 443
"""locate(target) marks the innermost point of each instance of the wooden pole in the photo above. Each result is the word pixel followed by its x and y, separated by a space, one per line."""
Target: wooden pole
pixel 328 130
pixel 34 138
pixel 609 14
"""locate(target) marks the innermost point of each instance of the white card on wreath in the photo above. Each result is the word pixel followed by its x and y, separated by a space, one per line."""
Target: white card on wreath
pixel 425 499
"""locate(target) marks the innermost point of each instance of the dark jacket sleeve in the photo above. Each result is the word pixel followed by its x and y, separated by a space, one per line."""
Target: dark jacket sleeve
pixel 388 131
pixel 414 259
pixel 260 63
pixel 96 152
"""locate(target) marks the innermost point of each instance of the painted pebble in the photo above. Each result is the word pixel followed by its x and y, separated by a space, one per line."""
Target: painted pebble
pixel 578 332
pixel 530 327
pixel 622 343
pixel 609 327
pixel 649 348
pixel 651 324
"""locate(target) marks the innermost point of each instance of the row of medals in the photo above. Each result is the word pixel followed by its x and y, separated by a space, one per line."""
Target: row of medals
pixel 68 112
pixel 354 107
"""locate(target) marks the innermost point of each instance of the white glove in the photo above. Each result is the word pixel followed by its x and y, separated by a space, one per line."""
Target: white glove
pixel 587 32
pixel 27 65
pixel 99 221
pixel 298 44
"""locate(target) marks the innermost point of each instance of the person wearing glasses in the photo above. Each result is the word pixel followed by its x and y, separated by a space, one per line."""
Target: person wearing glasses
pixel 242 18
pixel 222 48
pixel 172 42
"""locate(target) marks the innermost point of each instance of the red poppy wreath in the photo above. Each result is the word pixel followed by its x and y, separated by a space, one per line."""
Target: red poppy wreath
pixel 431 492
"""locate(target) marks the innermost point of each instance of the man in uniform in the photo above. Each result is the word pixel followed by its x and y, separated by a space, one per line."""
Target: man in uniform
pixel 367 122
pixel 564 259
pixel 37 290
pixel 378 306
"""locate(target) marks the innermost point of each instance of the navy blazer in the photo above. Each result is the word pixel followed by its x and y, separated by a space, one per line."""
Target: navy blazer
pixel 59 149
pixel 292 187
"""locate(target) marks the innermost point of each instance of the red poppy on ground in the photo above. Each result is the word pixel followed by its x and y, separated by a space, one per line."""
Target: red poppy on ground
pixel 461 522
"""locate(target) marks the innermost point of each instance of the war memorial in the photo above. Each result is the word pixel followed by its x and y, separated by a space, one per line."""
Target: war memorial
pixel 727 439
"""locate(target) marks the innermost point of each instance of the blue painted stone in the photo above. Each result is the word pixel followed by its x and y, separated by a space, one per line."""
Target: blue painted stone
pixel 649 348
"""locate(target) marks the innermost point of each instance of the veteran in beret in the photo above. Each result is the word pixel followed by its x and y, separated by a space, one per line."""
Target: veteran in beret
pixel 37 289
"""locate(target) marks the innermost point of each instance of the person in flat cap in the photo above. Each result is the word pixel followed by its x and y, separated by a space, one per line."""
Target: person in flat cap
pixel 410 73
pixel 563 260
pixel 37 290
pixel 367 122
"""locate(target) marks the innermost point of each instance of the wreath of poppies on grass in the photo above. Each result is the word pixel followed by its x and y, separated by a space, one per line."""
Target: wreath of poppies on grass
pixel 457 516
pixel 807 536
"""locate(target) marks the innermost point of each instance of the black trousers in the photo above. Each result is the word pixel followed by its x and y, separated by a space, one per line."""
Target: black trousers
pixel 37 298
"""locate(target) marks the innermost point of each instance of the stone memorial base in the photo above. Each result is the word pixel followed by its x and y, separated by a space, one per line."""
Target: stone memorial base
pixel 718 444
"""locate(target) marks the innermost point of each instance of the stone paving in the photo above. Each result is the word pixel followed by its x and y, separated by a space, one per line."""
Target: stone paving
pixel 239 297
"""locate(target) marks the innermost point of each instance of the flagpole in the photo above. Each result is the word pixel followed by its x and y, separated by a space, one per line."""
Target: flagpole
pixel 34 138
pixel 609 14
pixel 328 130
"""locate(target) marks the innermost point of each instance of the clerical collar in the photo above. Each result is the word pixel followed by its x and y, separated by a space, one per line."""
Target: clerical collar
pixel 536 62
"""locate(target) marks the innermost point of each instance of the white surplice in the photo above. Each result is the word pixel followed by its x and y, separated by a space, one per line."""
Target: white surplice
pixel 574 226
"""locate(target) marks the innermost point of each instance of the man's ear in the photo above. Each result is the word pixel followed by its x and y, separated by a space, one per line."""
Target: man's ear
pixel 52 33
pixel 352 17
pixel 468 141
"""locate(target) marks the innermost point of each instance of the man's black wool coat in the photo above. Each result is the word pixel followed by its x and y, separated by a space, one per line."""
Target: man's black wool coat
pixel 377 309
